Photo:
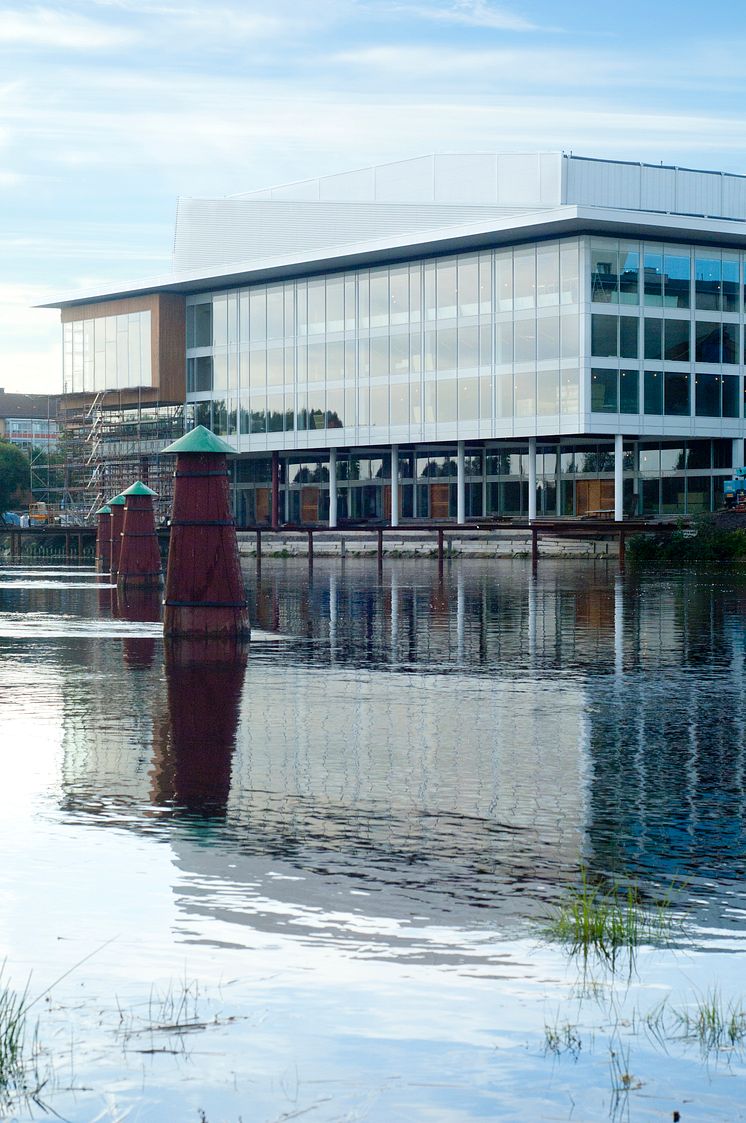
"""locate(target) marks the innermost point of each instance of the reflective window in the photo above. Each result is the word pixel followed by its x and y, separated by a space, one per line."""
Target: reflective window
pixel 653 348
pixel 730 384
pixel 707 279
pixel 676 277
pixel 604 392
pixel 653 392
pixel 629 396
pixel 605 335
pixel 707 395
pixel 524 278
pixel 604 274
pixel 547 275
pixel 676 394
pixel 676 337
pixel 468 286
pixel 629 276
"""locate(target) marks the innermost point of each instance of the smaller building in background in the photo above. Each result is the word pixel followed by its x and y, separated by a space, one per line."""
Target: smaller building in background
pixel 29 420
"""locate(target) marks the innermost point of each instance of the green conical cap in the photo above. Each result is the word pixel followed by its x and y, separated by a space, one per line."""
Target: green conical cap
pixel 117 501
pixel 105 510
pixel 201 440
pixel 139 488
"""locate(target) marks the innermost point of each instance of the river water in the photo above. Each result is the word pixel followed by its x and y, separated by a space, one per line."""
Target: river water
pixel 315 883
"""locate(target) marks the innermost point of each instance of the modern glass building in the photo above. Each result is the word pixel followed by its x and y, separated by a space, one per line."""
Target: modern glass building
pixel 458 337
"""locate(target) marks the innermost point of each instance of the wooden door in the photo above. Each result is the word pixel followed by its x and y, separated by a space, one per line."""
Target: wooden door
pixel 309 504
pixel 439 494
pixel 263 504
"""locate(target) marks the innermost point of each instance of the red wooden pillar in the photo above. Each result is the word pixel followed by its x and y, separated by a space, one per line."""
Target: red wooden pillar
pixel 103 538
pixel 140 556
pixel 205 594
pixel 116 506
pixel 275 490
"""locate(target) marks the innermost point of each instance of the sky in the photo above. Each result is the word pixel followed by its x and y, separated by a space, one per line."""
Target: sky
pixel 111 109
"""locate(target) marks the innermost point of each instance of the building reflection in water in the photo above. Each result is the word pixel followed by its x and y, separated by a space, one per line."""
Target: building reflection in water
pixel 460 741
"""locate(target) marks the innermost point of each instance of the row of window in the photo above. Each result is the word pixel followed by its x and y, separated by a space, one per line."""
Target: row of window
pixel 439 401
pixel 530 277
pixel 585 458
pixel 675 340
pixel 665 393
pixel 664 276
pixel 445 350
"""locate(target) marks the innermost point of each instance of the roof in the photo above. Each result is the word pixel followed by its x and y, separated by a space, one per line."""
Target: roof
pixel 139 488
pixel 435 205
pixel 35 406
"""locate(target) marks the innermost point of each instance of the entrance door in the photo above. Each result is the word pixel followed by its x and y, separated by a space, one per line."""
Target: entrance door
pixel 439 506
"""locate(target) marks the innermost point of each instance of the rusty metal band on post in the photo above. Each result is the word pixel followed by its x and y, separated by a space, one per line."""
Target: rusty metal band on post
pixel 138 534
pixel 201 475
pixel 204 603
pixel 203 522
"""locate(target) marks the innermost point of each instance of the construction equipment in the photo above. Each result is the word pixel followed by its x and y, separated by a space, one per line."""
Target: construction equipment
pixel 42 514
pixel 734 491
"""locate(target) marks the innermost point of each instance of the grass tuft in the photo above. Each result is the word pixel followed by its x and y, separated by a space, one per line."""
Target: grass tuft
pixel 592 920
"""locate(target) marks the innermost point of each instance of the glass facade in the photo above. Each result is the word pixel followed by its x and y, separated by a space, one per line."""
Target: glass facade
pixel 679 308
pixel 572 478
pixel 404 352
pixel 107 353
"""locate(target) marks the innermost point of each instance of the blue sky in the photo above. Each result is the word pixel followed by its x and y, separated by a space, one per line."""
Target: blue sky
pixel 109 109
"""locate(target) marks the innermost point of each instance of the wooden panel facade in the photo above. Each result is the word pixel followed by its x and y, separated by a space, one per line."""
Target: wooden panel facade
pixel 167 343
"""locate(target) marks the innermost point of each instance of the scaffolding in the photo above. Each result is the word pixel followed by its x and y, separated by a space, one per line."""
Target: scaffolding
pixel 109 443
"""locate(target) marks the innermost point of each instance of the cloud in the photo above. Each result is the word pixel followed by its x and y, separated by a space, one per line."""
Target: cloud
pixel 469 13
pixel 46 27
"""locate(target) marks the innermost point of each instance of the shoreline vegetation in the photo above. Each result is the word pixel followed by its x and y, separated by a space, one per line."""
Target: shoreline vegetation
pixel 706 539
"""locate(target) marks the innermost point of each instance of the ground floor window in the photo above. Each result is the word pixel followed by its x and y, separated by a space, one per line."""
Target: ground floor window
pixel 572 478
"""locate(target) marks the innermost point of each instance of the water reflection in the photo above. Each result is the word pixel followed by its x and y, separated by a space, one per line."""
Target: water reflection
pixel 442 742
pixel 192 759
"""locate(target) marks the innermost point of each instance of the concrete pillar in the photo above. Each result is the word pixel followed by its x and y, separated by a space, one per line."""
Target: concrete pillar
pixel 394 485
pixel 618 478
pixel 532 478
pixel 332 487
pixel 460 484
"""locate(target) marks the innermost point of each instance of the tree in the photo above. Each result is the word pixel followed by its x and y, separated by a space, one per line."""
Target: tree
pixel 14 474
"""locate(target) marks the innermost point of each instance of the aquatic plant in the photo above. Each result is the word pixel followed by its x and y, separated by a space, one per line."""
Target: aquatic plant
pixel 562 1038
pixel 714 1023
pixel 19 1073
pixel 593 920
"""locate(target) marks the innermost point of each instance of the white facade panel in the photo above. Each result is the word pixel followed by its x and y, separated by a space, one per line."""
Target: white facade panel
pixel 355 187
pixel 409 181
pixel 699 192
pixel 550 178
pixel 734 196
pixel 299 192
pixel 657 188
pixel 466 179
pixel 518 177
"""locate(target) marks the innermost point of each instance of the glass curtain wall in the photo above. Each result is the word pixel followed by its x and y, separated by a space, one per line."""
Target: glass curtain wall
pixel 398 352
pixel 667 331
pixel 573 477
pixel 107 353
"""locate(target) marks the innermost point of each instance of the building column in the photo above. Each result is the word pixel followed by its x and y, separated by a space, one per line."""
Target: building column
pixel 460 484
pixel 275 490
pixel 531 478
pixel 394 485
pixel 739 460
pixel 618 478
pixel 332 487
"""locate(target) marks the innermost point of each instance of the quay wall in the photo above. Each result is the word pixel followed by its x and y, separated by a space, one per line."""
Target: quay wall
pixel 489 544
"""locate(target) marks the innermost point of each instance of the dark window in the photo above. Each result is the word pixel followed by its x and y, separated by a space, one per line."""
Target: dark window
pixel 199 375
pixel 653 339
pixel 730 395
pixel 676 341
pixel 604 397
pixel 707 395
pixel 722 454
pixel 604 336
pixel 629 273
pixel 707 342
pixel 730 343
pixel 698 454
pixel 653 392
pixel 202 326
pixel 676 394
pixel 629 397
pixel 629 328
